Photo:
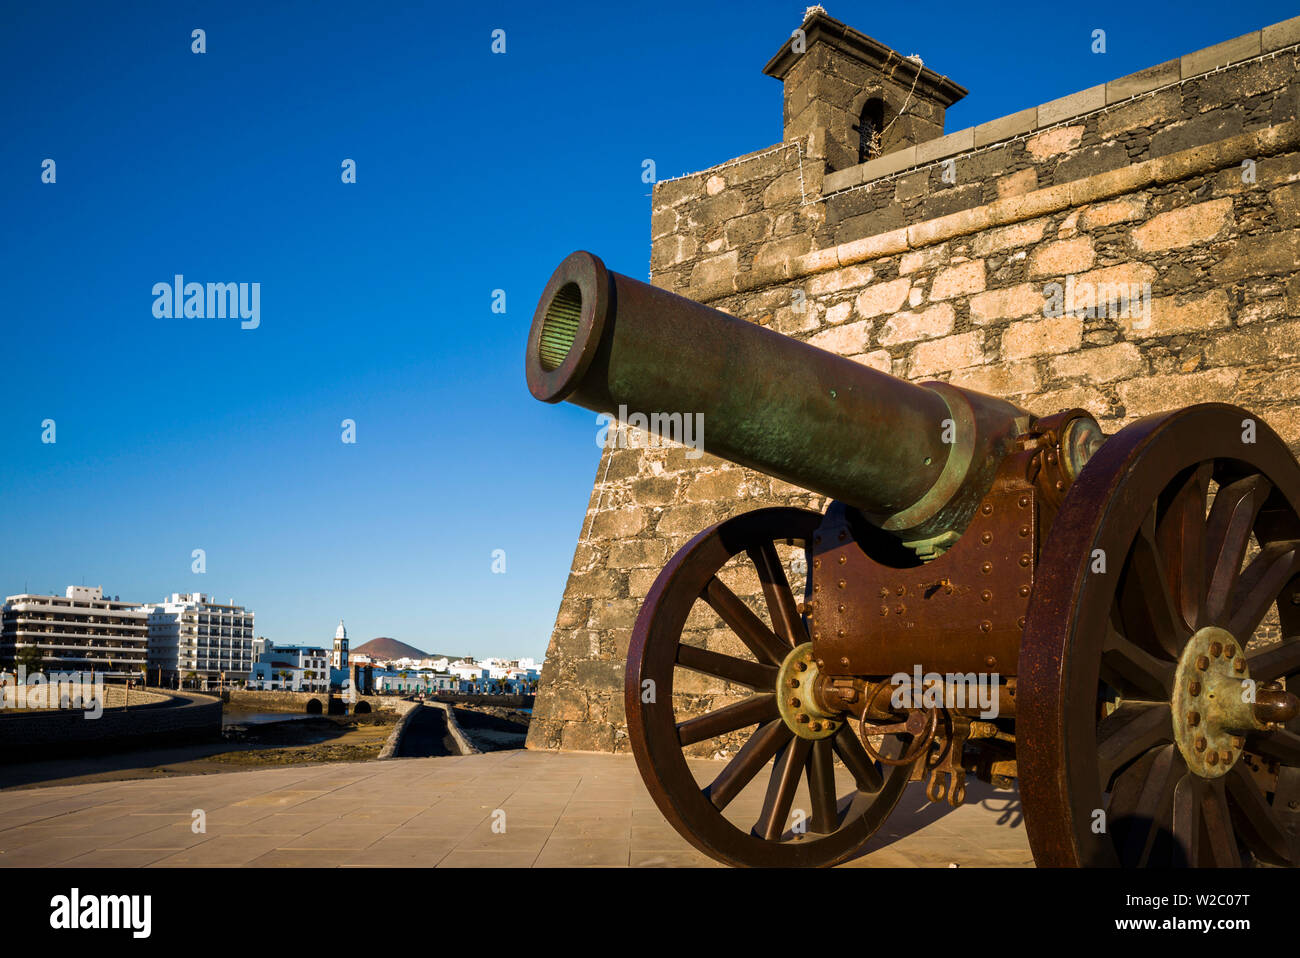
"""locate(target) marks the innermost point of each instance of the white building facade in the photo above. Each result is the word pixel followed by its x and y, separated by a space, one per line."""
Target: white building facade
pixel 291 668
pixel 81 630
pixel 192 638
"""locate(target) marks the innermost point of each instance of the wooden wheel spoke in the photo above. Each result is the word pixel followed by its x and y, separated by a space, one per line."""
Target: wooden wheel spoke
pixel 821 788
pixel 781 604
pixel 1180 539
pixel 740 618
pixel 1128 733
pixel 1260 585
pixel 1281 745
pixel 1276 662
pixel 1254 818
pixel 1134 671
pixel 1221 839
pixel 729 718
pixel 748 762
pixel 754 675
pixel 856 760
pixel 1149 815
pixel 1202 825
pixel 1186 818
pixel 1147 606
pixel 781 789
pixel 1228 532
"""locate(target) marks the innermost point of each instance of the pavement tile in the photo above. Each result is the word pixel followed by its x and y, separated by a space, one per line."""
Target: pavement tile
pixel 506 858
pixel 339 836
pixel 573 853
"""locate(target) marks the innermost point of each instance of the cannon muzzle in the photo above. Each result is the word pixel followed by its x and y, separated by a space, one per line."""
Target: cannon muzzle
pixel 914 459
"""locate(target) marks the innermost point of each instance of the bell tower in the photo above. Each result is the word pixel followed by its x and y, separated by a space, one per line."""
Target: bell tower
pixel 851 98
pixel 340 657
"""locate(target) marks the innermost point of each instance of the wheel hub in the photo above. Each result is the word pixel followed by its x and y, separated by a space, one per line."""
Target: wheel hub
pixel 1213 702
pixel 796 697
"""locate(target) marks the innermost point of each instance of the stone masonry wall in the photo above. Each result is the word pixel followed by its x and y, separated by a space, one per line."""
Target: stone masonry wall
pixel 1196 194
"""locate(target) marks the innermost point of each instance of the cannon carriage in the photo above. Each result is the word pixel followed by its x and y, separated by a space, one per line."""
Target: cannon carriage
pixel 1111 622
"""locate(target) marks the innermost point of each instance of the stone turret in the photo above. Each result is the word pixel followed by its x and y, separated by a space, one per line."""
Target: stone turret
pixel 852 97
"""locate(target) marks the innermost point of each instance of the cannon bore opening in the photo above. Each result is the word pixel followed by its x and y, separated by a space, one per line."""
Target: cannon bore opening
pixel 560 327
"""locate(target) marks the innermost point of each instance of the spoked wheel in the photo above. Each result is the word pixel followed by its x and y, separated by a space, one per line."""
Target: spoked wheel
pixel 778 727
pixel 1160 650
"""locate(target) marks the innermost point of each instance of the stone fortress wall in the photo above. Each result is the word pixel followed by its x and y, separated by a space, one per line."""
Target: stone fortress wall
pixel 940 258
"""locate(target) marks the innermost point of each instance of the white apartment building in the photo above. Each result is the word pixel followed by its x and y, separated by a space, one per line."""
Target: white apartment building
pixel 295 668
pixel 189 633
pixel 78 631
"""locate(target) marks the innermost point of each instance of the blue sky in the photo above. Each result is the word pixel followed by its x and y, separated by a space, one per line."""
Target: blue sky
pixel 475 172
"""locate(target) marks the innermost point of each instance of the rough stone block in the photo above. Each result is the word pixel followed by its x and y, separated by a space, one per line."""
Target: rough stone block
pixel 673 192
pixel 958 280
pixel 617 523
pixel 998 379
pixel 1104 364
pixel 848 277
pixel 1013 302
pixel 878 359
pixel 1149 111
pixel 947 354
pixel 1017 184
pixel 716 271
pixel 751 228
pixel 909 327
pixel 1062 257
pixel 1152 394
pixel 1085 163
pixel 1008 237
pixel 1181 314
pixel 1051 143
pixel 1285 201
pixel 637 554
pixel 1259 255
pixel 715 210
pixel 587 737
pixel 1207 128
pixel 845 340
pixel 921 259
pixel 786 188
pixel 1116 211
pixel 883 298
pixel 1042 337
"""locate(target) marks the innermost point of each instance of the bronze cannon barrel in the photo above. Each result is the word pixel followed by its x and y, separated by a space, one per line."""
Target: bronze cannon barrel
pixel 907 456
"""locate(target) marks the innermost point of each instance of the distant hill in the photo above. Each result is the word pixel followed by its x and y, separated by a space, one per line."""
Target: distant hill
pixel 386 648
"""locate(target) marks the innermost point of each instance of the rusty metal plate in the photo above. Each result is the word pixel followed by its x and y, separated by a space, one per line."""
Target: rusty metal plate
pixel 961 612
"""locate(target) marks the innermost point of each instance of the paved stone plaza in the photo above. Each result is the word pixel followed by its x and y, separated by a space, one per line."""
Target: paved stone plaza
pixel 560 810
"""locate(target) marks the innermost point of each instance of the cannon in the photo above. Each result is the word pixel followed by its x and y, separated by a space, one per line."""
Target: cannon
pixel 1111 623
